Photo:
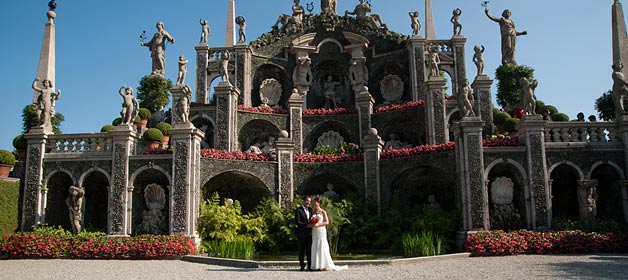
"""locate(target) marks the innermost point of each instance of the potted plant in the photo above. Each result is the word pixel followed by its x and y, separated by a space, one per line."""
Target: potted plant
pixel 510 126
pixel 152 138
pixel 7 160
pixel 144 115
pixel 164 127
pixel 20 145
pixel 136 122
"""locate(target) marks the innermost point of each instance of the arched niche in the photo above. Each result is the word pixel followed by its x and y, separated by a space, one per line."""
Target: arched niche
pixel 237 185
pixel 318 185
pixel 564 179
pixel 508 170
pixel 96 201
pixel 205 124
pixel 609 203
pixel 415 185
pixel 330 61
pixel 389 68
pixel 406 130
pixel 312 139
pixel 57 213
pixel 452 118
pixel 268 71
pixel 256 131
pixel 141 181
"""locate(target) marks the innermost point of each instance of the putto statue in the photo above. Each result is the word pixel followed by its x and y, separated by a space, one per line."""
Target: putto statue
pixel 130 106
pixel 478 59
pixel 302 74
pixel 528 100
pixel 205 31
pixel 182 109
pixel 44 100
pixel 241 22
pixel 74 202
pixel 416 23
pixel 620 86
pixel 329 91
pixel 362 11
pixel 183 70
pixel 358 73
pixel 509 36
pixel 328 7
pixel 465 99
pixel 224 70
pixel 157 47
pixel 434 61
pixel 298 12
pixel 455 20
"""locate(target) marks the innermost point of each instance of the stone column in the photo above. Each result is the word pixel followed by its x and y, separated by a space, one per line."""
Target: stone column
pixel 470 166
pixel 482 91
pixel 285 179
pixel 124 140
pixel 34 199
pixel 373 145
pixel 417 48
pixel 295 105
pixel 624 195
pixel 202 84
pixel 460 72
pixel 364 103
pixel 531 129
pixel 186 189
pixel 436 119
pixel 243 73
pixel 226 112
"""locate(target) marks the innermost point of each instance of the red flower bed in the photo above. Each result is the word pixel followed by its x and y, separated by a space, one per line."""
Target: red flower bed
pixel 53 246
pixel 500 243
pixel 329 112
pixel 328 158
pixel 417 151
pixel 394 107
pixel 236 155
pixel 262 109
pixel 501 143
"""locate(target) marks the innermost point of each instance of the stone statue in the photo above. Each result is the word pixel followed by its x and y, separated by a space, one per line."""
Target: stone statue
pixel 183 70
pixel 330 191
pixel 157 47
pixel 182 109
pixel 358 73
pixel 241 22
pixel 509 36
pixel 74 202
pixel 433 202
pixel 45 102
pixel 130 106
pixel 224 70
pixel 206 32
pixel 328 7
pixel 395 144
pixel 587 198
pixel 302 74
pixel 620 87
pixel 266 147
pixel 362 11
pixel 465 99
pixel 329 91
pixel 455 20
pixel 478 59
pixel 434 61
pixel 270 92
pixel 504 215
pixel 296 19
pixel 528 100
pixel 416 24
pixel 330 138
pixel 154 220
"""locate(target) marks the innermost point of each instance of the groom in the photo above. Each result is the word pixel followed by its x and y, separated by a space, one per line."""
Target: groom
pixel 304 231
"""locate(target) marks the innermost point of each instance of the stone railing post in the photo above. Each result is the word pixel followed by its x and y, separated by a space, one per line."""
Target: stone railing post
pixel 295 105
pixel 226 112
pixel 418 47
pixel 243 72
pixel 482 91
pixel 202 84
pixel 124 142
pixel 372 145
pixel 285 180
pixel 364 103
pixel 531 129
pixel 436 119
pixel 34 199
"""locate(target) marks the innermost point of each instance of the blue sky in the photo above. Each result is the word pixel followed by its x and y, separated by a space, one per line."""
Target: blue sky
pixel 98 51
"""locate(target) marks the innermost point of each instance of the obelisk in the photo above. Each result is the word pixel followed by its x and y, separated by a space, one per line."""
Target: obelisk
pixel 46 68
pixel 620 39
pixel 430 34
pixel 230 39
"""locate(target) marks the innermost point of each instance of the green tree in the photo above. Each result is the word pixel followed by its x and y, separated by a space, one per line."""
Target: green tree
pixel 153 92
pixel 605 106
pixel 508 96
pixel 29 119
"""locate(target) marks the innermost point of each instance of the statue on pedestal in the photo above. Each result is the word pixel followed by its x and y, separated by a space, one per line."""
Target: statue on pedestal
pixel 241 22
pixel 434 61
pixel 620 86
pixel 183 70
pixel 478 59
pixel 130 106
pixel 44 101
pixel 224 69
pixel 298 12
pixel 205 31
pixel 416 24
pixel 587 197
pixel 509 36
pixel 455 20
pixel 465 99
pixel 329 91
pixel 362 11
pixel 302 74
pixel 328 7
pixel 358 73
pixel 528 100
pixel 74 202
pixel 157 47
pixel 182 109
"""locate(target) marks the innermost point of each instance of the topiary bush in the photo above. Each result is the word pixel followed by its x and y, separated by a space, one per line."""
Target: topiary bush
pixel 510 125
pixel 116 121
pixel 552 109
pixel 137 120
pixel 107 128
pixel 153 134
pixel 19 142
pixel 144 114
pixel 560 117
pixel 7 157
pixel 540 107
pixel 164 128
pixel 500 118
pixel 508 88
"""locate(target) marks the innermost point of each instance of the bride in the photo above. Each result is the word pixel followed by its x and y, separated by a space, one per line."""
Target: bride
pixel 321 258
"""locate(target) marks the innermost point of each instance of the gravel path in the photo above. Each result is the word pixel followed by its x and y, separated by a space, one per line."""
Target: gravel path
pixel 606 266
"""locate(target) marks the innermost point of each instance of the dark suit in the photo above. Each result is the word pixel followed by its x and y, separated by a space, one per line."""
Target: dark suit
pixel 304 236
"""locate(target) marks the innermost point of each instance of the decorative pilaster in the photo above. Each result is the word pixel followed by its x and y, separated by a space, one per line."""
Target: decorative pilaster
pixel 285 180
pixel 186 187
pixel 372 145
pixel 470 159
pixel 436 119
pixel 482 91
pixel 364 103
pixel 417 50
pixel 295 105
pixel 202 84
pixel 34 199
pixel 226 112
pixel 624 195
pixel 119 220
pixel 243 73
pixel 458 42
pixel 531 133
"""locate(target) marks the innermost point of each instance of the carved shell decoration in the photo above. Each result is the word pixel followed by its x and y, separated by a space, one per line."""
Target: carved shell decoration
pixel 330 138
pixel 270 92
pixel 155 197
pixel 392 88
pixel 502 191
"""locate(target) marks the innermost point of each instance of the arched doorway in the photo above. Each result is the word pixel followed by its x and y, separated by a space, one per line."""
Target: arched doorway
pixel 240 186
pixel 207 127
pixel 57 213
pixel 609 203
pixel 256 132
pixel 424 185
pixel 144 219
pixel 506 215
pixel 565 193
pixel 96 201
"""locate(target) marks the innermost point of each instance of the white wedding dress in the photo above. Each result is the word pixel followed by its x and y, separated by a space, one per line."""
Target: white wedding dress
pixel 321 258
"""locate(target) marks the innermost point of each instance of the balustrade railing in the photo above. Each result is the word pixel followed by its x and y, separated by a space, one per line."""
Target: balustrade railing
pixel 592 132
pixel 80 143
pixel 443 46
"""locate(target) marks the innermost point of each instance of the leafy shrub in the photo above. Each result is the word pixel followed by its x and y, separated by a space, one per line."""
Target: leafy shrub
pixel 7 157
pixel 279 224
pixel 9 192
pixel 340 149
pixel 500 118
pixel 153 134
pixel 152 92
pixel 238 248
pixel 510 125
pixel 107 128
pixel 552 109
pixel 137 120
pixel 116 121
pixel 164 128
pixel 19 142
pixel 144 114
pixel 423 244
pixel 560 117
pixel 598 225
pixel 540 107
pixel 508 88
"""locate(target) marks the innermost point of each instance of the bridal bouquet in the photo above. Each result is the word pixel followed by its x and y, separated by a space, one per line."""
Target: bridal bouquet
pixel 314 220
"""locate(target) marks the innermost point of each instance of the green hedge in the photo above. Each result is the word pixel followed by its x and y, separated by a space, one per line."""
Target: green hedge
pixel 9 192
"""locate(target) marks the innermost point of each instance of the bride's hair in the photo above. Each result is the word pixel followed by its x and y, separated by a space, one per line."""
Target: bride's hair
pixel 319 200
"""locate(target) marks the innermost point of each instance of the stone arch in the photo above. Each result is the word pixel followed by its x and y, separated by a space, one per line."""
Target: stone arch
pixel 317 185
pixel 576 168
pixel 207 124
pixel 330 60
pixel 256 131
pixel 319 46
pixel 513 170
pixel 453 116
pixel 312 139
pixel 96 183
pixel 214 79
pixel 609 190
pixel 384 69
pixel 237 185
pixel 564 179
pixel 140 179
pixel 415 185
pixel 267 71
pixel 615 166
pixel 406 129
pixel 56 212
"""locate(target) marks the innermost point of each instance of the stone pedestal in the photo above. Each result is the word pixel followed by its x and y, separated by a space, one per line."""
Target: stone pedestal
pixel 417 49
pixel 531 133
pixel 226 112
pixel 34 197
pixel 243 73
pixel 202 84
pixel 364 103
pixel 285 180
pixel 470 160
pixel 436 119
pixel 372 145
pixel 484 102
pixel 120 195
pixel 295 105
pixel 186 190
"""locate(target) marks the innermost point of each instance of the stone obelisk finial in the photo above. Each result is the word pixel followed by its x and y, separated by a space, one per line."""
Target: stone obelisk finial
pixel 230 39
pixel 430 34
pixel 46 68
pixel 620 39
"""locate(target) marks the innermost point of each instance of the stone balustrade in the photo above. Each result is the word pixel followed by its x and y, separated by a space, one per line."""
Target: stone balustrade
pixel 443 46
pixel 80 143
pixel 216 53
pixel 593 132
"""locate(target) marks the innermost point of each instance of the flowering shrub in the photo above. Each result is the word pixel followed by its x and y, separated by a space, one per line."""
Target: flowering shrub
pixel 501 142
pixel 262 109
pixel 329 112
pixel 38 245
pixel 236 155
pixel 394 107
pixel 501 243
pixel 342 148
pixel 328 158
pixel 417 151
pixel 156 151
